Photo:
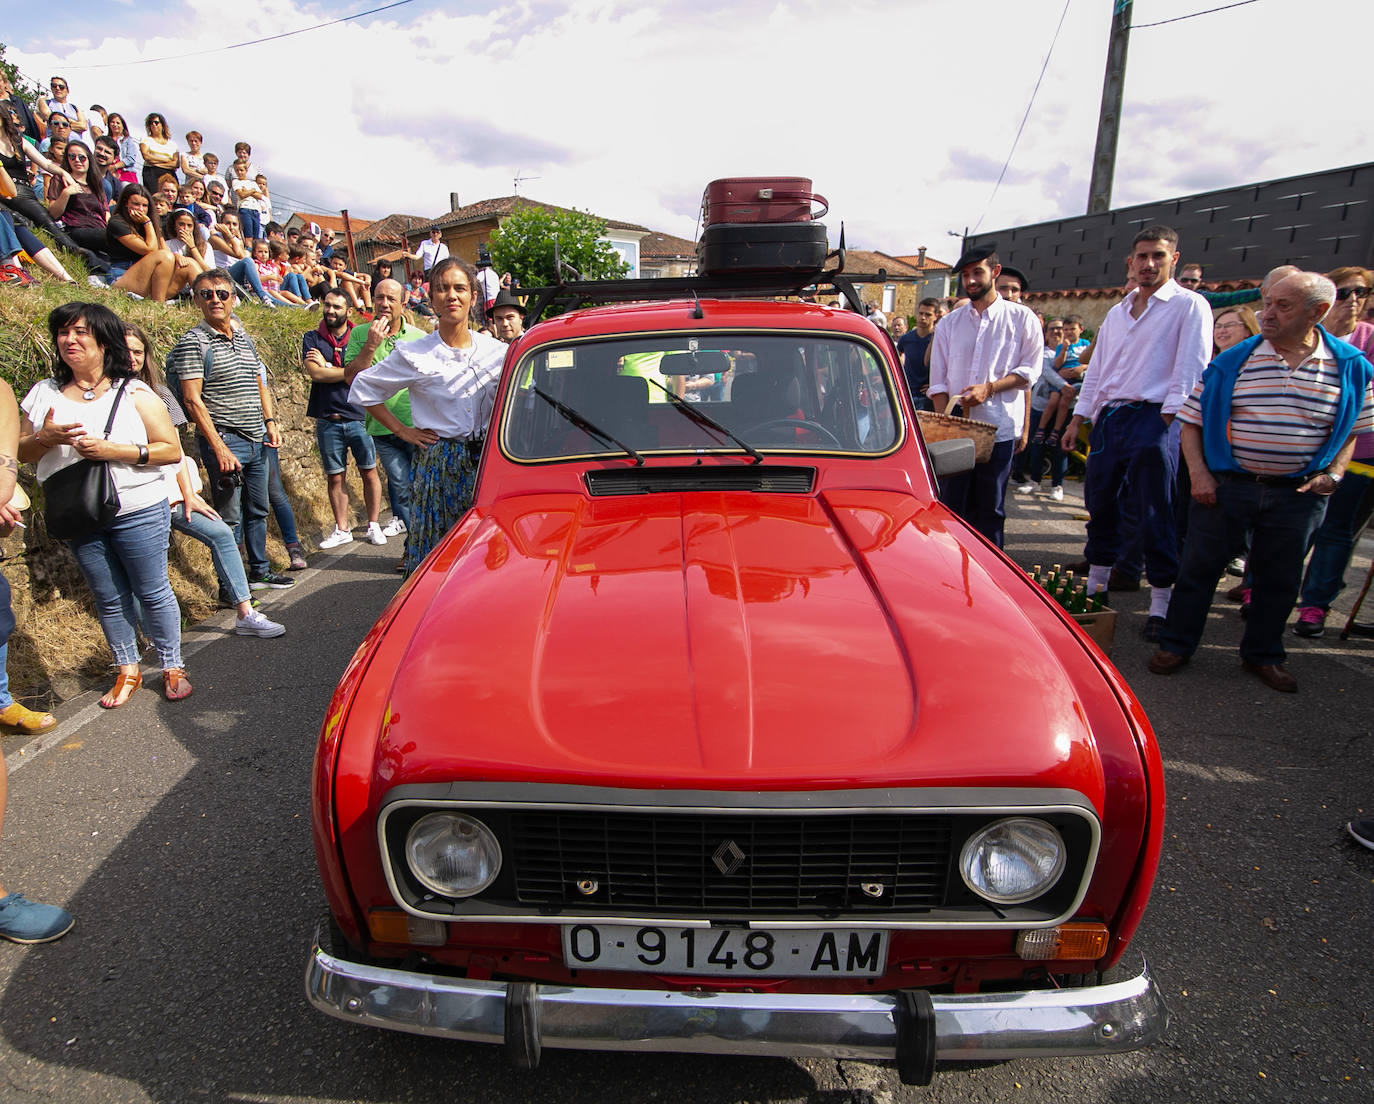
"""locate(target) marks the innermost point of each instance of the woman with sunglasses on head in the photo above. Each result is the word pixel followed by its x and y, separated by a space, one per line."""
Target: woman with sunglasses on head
pixel 81 205
pixel 128 160
pixel 159 151
pixel 140 262
pixel 1351 505
pixel 125 564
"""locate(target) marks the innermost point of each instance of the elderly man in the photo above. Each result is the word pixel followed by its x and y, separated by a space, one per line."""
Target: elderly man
pixel 1267 434
pixel 1150 350
pixel 225 393
pixel 985 354
pixel 338 423
pixel 507 317
pixel 369 344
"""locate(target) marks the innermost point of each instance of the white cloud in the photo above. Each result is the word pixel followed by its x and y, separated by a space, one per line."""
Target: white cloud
pixel 902 113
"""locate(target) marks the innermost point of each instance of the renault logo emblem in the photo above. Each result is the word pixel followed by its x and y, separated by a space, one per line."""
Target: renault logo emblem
pixel 728 857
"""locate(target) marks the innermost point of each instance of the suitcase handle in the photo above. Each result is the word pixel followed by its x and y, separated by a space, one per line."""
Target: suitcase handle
pixel 800 197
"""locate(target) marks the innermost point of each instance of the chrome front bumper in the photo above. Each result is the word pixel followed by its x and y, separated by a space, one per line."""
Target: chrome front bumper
pixel 1104 1019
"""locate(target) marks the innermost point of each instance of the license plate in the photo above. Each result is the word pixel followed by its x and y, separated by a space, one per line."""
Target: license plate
pixel 727 952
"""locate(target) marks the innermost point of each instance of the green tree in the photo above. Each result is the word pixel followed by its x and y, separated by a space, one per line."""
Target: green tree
pixel 523 246
pixel 16 79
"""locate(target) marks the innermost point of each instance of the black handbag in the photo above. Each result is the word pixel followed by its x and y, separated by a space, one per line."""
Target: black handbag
pixel 81 498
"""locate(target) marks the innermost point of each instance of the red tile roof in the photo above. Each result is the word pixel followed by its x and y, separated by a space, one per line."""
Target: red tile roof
pixel 656 246
pixel 331 222
pixel 926 264
pixel 507 205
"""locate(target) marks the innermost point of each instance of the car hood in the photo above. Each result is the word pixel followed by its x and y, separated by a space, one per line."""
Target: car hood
pixel 737 640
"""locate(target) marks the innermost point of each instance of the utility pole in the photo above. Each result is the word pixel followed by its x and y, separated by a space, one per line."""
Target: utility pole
pixel 1109 115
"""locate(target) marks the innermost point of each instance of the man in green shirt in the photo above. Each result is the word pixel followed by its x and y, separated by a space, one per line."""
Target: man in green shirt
pixel 369 344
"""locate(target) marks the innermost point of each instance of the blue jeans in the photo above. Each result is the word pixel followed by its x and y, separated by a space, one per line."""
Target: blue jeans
pixel 6 627
pixel 337 439
pixel 126 568
pixel 294 282
pixel 396 458
pixel 276 495
pixel 224 550
pixel 244 271
pixel 1281 522
pixel 244 507
pixel 979 496
pixel 250 222
pixel 1129 489
pixel 1347 511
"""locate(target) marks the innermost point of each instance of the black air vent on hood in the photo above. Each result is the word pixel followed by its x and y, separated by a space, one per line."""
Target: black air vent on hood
pixel 772 478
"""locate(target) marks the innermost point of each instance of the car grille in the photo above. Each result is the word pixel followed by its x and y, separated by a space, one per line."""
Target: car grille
pixel 766 863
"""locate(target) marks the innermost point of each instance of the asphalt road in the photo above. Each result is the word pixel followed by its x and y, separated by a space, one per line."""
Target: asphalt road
pixel 179 837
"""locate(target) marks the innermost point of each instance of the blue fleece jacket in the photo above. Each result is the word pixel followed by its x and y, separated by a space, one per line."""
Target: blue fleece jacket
pixel 1219 380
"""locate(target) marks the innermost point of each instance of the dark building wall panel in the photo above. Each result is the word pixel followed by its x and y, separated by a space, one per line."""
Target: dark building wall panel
pixel 1318 221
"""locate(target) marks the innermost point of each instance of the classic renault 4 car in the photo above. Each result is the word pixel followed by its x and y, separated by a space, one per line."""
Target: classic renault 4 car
pixel 710 729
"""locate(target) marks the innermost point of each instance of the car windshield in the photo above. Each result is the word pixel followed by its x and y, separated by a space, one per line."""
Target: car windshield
pixel 661 393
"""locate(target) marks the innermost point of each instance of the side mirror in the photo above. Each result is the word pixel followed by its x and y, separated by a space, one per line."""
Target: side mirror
pixel 952 457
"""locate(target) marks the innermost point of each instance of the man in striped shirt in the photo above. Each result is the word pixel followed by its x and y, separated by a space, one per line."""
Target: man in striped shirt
pixel 1267 434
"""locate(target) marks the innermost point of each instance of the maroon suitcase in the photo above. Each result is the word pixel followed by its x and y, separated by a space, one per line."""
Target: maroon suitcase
pixel 760 199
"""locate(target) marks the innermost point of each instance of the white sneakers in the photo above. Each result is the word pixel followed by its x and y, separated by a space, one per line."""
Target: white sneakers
pixel 253 623
pixel 1056 494
pixel 1026 488
pixel 375 534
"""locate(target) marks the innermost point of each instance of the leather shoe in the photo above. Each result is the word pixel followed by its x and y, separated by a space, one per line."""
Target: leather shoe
pixel 1166 663
pixel 1273 675
pixel 1153 627
pixel 1361 628
pixel 1119 580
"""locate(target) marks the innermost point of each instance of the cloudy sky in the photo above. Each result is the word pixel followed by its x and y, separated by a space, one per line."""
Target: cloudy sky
pixel 902 111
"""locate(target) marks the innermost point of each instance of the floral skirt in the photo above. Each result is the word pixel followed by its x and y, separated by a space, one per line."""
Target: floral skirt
pixel 441 484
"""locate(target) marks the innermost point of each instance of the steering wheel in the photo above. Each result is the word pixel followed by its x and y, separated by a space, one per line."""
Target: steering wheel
pixel 794 423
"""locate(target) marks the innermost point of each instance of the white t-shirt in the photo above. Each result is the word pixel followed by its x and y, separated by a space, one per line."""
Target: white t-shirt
pixel 138 487
pixel 491 284
pixel 241 190
pixel 431 253
pixel 166 146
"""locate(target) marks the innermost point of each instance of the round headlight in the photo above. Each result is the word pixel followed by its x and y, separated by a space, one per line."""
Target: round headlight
pixel 1013 860
pixel 452 854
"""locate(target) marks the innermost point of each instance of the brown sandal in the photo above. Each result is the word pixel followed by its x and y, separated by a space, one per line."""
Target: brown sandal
pixel 122 690
pixel 174 684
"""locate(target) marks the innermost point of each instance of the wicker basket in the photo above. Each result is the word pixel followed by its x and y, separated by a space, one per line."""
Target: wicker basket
pixel 946 427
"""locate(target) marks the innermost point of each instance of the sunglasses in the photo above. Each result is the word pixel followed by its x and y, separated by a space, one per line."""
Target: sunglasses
pixel 80 158
pixel 1358 292
pixel 63 122
pixel 58 86
pixel 207 294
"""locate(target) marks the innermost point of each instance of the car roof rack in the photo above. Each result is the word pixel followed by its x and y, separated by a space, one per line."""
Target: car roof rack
pixel 575 293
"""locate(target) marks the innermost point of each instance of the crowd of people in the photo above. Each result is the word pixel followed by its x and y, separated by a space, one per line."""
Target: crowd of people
pixel 1217 439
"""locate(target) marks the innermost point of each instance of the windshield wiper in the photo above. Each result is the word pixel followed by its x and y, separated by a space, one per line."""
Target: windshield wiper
pixel 583 424
pixel 705 419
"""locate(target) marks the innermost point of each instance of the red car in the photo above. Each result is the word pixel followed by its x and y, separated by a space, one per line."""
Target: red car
pixel 710 729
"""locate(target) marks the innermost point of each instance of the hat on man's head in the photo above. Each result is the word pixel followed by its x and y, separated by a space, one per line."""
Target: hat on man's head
pixel 505 298
pixel 1008 270
pixel 973 254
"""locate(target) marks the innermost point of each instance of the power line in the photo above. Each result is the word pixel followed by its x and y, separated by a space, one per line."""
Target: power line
pixel 1181 18
pixel 241 45
pixel 1007 164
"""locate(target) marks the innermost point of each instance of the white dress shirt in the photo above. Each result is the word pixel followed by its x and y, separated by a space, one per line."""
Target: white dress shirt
pixel 451 390
pixel 1156 358
pixel 431 253
pixel 973 347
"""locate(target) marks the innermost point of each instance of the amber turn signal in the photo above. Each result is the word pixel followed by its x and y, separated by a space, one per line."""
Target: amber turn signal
pixel 395 926
pixel 1080 942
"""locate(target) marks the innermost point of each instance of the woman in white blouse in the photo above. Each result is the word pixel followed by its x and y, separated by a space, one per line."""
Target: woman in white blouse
pixel 125 564
pixel 452 376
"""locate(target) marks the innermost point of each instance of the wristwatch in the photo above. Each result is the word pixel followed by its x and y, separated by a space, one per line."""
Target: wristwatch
pixel 1333 476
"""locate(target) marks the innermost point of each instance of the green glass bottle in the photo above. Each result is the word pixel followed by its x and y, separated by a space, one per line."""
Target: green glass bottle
pixel 1079 602
pixel 1035 574
pixel 1099 601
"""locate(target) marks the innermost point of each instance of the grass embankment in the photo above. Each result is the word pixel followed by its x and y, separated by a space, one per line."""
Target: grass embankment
pixel 57 649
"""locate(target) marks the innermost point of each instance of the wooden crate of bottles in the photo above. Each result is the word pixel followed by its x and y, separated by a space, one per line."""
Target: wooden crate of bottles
pixel 1091 612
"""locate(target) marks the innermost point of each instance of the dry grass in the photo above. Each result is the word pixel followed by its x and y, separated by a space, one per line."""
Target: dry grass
pixel 57 649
